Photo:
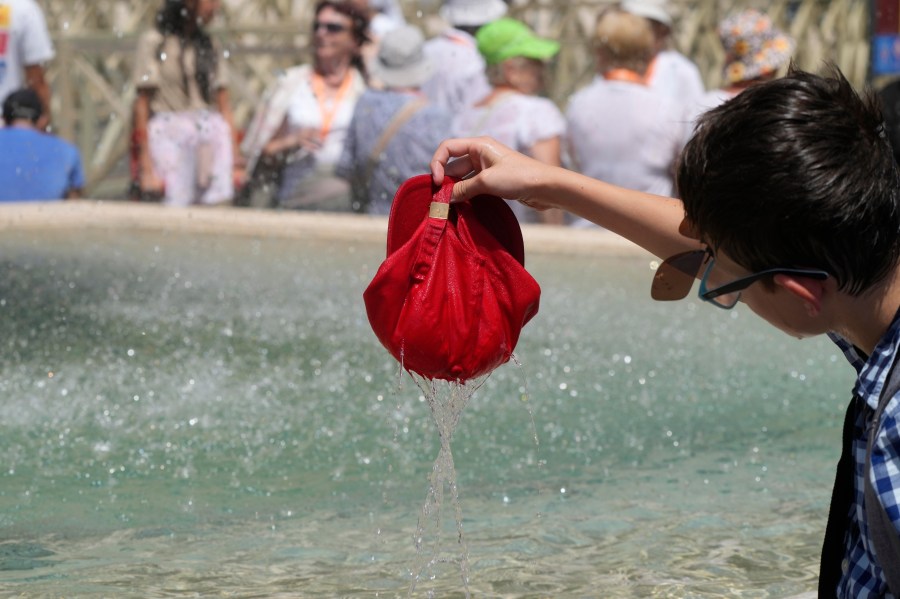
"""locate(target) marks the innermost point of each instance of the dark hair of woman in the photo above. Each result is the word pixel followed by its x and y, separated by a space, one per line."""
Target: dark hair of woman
pixel 174 19
pixel 360 25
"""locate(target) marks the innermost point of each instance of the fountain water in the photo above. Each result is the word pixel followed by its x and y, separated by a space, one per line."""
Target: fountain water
pixel 195 412
pixel 447 401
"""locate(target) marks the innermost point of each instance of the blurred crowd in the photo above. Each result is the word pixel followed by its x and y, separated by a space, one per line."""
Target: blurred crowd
pixel 342 132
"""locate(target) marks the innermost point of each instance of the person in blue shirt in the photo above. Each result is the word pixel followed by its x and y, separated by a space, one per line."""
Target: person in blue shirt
pixel 35 166
pixel 790 204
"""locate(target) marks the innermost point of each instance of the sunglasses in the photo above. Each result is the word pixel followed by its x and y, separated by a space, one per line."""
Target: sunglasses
pixel 329 27
pixel 676 275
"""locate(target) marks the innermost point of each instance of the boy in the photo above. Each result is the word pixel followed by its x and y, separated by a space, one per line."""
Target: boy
pixel 791 204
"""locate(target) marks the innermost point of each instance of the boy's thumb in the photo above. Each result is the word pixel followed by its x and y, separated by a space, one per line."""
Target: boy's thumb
pixel 466 189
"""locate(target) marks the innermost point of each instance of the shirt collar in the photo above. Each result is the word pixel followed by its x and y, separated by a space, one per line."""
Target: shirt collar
pixel 872 371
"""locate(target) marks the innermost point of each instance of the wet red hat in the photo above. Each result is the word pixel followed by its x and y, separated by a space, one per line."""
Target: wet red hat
pixel 452 296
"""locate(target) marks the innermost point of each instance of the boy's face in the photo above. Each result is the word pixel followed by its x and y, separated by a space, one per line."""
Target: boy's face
pixel 773 302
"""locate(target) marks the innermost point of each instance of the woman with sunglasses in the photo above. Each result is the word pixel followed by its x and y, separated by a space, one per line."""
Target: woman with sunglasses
pixel 790 205
pixel 296 136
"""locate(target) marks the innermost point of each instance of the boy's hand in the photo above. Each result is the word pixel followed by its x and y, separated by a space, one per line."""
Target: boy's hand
pixel 494 169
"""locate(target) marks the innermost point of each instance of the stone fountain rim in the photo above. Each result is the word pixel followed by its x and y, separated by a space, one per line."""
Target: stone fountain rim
pixel 328 226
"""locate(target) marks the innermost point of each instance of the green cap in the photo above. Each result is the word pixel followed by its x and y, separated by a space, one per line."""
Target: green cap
pixel 508 38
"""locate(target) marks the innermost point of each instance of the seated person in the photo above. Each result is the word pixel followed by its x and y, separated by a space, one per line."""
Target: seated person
pixel 35 166
pixel 394 131
pixel 513 111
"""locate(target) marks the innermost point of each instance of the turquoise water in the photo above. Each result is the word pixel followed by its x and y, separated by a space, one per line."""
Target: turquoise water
pixel 212 416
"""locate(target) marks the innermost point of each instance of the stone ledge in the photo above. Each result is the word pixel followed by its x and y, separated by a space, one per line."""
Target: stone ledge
pixel 46 216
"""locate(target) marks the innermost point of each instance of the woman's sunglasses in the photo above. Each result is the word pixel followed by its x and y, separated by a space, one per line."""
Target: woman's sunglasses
pixel 676 275
pixel 329 27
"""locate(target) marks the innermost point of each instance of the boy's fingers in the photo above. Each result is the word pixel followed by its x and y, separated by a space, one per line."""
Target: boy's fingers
pixel 467 189
pixel 442 162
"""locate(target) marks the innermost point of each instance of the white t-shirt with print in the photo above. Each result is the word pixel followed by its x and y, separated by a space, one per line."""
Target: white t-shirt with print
pixel 24 41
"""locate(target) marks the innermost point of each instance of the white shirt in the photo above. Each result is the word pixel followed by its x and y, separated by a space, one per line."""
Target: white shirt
pixel 516 120
pixel 459 80
pixel 24 41
pixel 382 24
pixel 710 100
pixel 304 112
pixel 627 134
pixel 676 76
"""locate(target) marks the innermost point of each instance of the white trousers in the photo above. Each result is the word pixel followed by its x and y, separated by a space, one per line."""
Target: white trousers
pixel 191 153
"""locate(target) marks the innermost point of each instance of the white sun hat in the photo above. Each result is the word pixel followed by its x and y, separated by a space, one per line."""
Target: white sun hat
pixel 401 62
pixel 472 13
pixel 656 10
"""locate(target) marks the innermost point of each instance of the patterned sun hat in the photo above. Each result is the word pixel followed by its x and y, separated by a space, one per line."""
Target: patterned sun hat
pixel 753 46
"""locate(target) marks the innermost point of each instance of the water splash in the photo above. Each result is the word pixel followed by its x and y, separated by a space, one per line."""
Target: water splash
pixel 524 394
pixel 447 402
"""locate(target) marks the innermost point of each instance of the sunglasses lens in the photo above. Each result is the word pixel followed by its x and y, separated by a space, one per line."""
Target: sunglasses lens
pixel 675 277
pixel 329 27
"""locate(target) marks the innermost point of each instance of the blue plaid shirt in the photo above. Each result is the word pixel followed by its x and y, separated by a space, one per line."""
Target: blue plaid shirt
pixel 862 576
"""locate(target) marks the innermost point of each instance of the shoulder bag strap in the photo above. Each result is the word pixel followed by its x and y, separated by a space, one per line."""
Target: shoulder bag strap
pixel 884 535
pixel 402 116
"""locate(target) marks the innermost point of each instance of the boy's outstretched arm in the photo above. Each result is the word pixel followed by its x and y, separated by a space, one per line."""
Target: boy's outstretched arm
pixel 650 221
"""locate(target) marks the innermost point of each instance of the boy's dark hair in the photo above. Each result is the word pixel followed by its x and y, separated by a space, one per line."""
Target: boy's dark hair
pixel 22 104
pixel 890 100
pixel 172 19
pixel 796 172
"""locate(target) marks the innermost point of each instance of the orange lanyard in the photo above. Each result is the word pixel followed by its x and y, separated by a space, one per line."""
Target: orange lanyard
pixel 651 70
pixel 329 112
pixel 624 75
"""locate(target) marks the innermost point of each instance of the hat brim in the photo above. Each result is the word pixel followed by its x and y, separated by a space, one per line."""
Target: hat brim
pixel 537 48
pixel 412 204
pixel 471 16
pixel 775 55
pixel 410 76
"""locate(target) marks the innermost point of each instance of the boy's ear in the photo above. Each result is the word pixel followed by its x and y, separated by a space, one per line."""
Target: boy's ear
pixel 809 291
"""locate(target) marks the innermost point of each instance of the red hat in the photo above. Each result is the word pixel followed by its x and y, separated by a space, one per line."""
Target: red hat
pixel 452 296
